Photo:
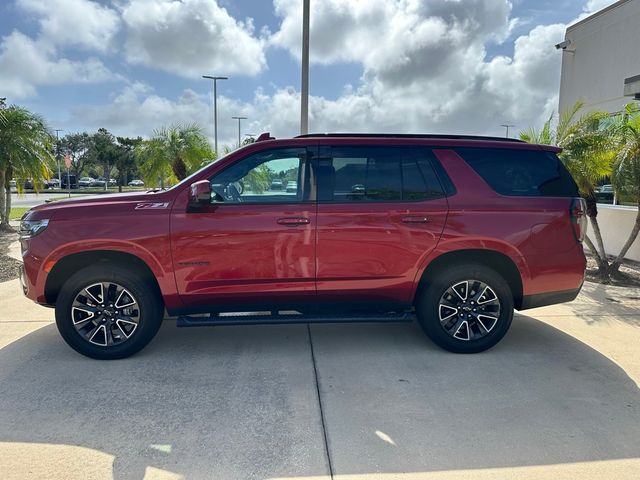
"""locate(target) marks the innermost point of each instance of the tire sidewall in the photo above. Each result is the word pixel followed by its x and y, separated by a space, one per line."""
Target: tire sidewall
pixel 148 299
pixel 429 299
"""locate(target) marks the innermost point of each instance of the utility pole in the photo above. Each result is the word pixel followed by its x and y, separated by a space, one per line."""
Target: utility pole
pixel 304 87
pixel 58 130
pixel 506 125
pixel 239 120
pixel 215 109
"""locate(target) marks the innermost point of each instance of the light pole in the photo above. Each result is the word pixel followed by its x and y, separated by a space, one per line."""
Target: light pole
pixel 215 108
pixel 58 130
pixel 304 87
pixel 506 125
pixel 239 120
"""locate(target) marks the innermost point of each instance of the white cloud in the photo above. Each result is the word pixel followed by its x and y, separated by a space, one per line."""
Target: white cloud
pixel 190 38
pixel 425 69
pixel 81 23
pixel 425 64
pixel 596 5
pixel 26 63
pixel 137 110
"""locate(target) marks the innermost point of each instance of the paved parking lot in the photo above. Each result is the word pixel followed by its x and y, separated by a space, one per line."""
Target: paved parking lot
pixel 557 398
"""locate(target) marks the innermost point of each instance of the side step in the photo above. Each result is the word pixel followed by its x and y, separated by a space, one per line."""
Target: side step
pixel 278 318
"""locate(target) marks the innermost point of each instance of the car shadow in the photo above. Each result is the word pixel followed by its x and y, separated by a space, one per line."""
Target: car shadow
pixel 241 402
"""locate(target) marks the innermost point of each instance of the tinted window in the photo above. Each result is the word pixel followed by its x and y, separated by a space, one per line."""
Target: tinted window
pixel 521 172
pixel 356 174
pixel 271 176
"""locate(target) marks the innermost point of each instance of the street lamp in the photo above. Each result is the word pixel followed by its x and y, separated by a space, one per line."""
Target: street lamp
pixel 215 108
pixel 58 130
pixel 505 125
pixel 304 87
pixel 239 120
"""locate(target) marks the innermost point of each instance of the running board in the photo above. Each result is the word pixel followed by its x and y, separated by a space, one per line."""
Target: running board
pixel 255 318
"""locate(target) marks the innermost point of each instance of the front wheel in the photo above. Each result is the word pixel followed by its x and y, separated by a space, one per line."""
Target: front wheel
pixel 465 309
pixel 108 312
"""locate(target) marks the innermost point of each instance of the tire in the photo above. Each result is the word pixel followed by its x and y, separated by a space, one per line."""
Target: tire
pixel 80 316
pixel 442 310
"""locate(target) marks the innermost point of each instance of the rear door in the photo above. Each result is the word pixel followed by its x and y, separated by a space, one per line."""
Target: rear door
pixel 381 210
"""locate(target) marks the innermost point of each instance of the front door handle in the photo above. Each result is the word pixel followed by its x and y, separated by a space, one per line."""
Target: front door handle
pixel 293 221
pixel 415 219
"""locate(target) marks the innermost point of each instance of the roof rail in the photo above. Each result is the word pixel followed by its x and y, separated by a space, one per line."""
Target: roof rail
pixel 410 135
pixel 265 136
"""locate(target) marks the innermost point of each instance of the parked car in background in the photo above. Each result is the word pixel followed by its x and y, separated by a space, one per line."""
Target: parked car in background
pixel 292 187
pixel 605 194
pixel 136 183
pixel 276 185
pixel 452 231
pixel 52 183
pixel 113 182
pixel 99 182
pixel 85 182
pixel 12 183
pixel 72 179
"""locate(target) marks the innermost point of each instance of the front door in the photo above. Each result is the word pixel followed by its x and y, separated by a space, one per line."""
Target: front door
pixel 381 210
pixel 254 245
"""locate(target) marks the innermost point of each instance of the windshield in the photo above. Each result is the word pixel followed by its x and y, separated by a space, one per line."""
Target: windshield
pixel 190 177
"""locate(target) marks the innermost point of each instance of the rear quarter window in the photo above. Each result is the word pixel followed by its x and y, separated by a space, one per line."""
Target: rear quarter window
pixel 514 172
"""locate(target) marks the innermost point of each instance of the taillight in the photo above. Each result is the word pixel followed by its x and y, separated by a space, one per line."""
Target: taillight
pixel 579 218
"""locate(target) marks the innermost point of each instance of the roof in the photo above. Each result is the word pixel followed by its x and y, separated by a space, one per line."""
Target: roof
pixel 409 135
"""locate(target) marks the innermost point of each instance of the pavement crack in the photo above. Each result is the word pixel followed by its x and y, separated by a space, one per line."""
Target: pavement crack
pixel 322 418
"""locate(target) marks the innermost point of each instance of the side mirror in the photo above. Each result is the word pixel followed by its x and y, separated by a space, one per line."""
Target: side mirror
pixel 200 193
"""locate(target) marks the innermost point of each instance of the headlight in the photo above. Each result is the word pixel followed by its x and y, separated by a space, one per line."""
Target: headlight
pixel 31 228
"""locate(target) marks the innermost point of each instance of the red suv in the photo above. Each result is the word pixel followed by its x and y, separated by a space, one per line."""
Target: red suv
pixel 456 231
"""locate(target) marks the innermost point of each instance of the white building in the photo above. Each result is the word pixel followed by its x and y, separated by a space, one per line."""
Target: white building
pixel 601 67
pixel 599 53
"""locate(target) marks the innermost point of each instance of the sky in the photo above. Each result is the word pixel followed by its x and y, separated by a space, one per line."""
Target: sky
pixel 406 66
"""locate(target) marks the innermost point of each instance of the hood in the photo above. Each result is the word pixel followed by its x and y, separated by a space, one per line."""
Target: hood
pixel 72 206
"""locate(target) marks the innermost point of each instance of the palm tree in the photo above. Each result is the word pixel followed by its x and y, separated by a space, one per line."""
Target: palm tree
pixel 25 152
pixel 626 171
pixel 587 153
pixel 173 153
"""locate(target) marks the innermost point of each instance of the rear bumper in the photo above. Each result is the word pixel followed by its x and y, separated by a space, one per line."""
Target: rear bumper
pixel 549 298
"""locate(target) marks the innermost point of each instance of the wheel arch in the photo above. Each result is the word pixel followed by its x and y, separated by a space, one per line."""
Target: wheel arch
pixel 493 259
pixel 69 264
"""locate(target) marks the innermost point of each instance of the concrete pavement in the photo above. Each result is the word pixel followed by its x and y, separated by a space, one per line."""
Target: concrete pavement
pixel 557 398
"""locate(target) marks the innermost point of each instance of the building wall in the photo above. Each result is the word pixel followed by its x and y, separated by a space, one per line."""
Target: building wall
pixel 616 223
pixel 606 51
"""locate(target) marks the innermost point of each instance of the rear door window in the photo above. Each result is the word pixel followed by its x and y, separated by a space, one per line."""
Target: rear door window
pixel 514 172
pixel 377 174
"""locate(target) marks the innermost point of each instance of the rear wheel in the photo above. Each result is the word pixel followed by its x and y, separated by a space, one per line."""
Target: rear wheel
pixel 466 309
pixel 108 312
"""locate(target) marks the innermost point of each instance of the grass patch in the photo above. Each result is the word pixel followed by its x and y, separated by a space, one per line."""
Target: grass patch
pixel 18 212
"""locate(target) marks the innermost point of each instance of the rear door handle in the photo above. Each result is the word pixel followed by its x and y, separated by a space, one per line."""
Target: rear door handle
pixel 293 221
pixel 415 219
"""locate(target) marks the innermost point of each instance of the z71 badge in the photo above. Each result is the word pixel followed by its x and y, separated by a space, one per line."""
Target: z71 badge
pixel 147 205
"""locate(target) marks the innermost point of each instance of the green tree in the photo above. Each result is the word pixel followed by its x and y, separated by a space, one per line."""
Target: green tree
pixel 104 152
pixel 26 151
pixel 126 159
pixel 626 168
pixel 173 153
pixel 587 153
pixel 78 147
